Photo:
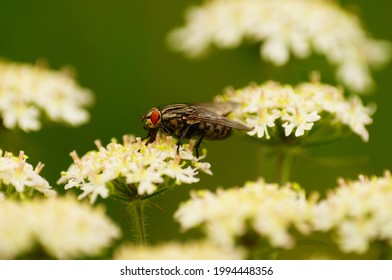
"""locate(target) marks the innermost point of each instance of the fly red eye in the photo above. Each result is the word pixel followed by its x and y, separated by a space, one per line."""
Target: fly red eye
pixel 155 116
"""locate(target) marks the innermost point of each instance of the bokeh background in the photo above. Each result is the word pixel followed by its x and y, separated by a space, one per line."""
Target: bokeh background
pixel 118 50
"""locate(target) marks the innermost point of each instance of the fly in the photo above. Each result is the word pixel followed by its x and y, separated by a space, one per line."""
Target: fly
pixel 200 121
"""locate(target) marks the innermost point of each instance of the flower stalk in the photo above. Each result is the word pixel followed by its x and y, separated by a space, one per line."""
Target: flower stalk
pixel 284 165
pixel 138 218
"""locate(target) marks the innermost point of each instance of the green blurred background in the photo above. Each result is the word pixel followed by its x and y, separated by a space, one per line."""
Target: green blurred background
pixel 118 50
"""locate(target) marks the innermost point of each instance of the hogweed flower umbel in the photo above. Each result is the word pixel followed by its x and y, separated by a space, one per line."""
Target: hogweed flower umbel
pixel 284 26
pixel 358 212
pixel 19 178
pixel 133 170
pixel 275 111
pixel 27 91
pixel 269 210
pixel 64 227
pixel 195 250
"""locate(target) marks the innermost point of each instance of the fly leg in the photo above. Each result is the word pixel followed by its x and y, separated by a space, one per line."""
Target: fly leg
pixel 183 135
pixel 198 143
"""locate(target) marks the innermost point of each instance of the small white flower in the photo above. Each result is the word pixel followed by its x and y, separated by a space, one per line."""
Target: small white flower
pixel 97 187
pixel 175 170
pixel 147 178
pixel 299 118
pixel 275 50
pixel 355 115
pixel 204 166
pixel 15 172
pixel 355 235
pixel 262 121
pixel 357 76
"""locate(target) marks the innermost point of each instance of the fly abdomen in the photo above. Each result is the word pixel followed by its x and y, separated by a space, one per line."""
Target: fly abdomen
pixel 215 131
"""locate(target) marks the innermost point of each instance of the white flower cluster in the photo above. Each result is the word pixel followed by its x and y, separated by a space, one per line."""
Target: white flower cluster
pixel 270 210
pixel 297 108
pixel 144 167
pixel 26 91
pixel 359 212
pixel 21 178
pixel 63 227
pixel 196 250
pixel 285 26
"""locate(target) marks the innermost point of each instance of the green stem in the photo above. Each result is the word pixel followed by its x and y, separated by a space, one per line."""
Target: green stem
pixel 158 192
pixel 137 213
pixel 385 251
pixel 285 160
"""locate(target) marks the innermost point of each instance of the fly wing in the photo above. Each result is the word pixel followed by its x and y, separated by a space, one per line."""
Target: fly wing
pixel 221 108
pixel 201 114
